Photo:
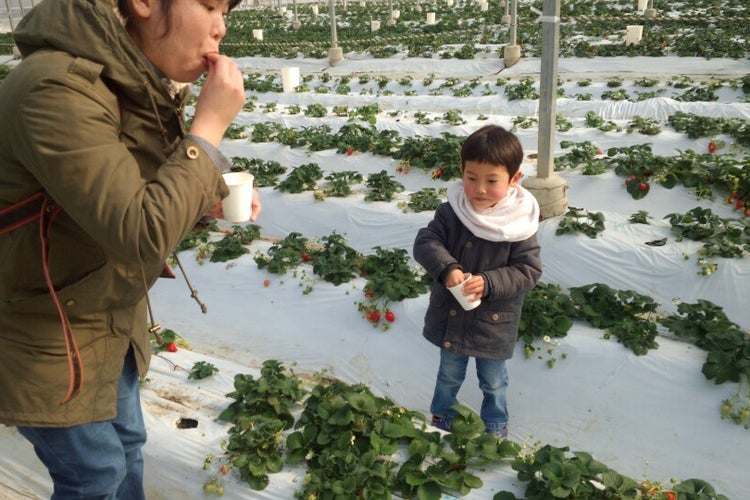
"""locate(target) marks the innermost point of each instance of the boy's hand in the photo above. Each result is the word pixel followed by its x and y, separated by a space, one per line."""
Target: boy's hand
pixel 474 286
pixel 454 277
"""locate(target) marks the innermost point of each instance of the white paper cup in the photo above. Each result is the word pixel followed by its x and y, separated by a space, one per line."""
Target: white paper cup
pixel 464 300
pixel 237 206
pixel 290 78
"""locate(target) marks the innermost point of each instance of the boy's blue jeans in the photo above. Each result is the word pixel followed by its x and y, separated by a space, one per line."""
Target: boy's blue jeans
pixel 493 381
pixel 100 460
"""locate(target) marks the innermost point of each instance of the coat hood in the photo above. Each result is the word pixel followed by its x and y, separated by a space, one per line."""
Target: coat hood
pixel 94 30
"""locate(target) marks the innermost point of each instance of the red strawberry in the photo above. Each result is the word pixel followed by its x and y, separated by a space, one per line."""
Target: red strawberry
pixel 643 186
pixel 171 347
pixel 368 293
pixel 711 147
pixel 349 152
pixel 747 212
pixel 390 317
pixel 266 283
pixel 375 317
pixel 739 204
pixel 305 257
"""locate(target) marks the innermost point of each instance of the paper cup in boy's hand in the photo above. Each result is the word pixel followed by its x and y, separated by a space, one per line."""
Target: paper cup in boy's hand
pixel 237 206
pixel 465 300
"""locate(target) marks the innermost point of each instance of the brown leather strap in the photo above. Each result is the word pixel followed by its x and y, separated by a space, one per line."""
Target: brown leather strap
pixel 48 212
pixel 41 207
pixel 21 213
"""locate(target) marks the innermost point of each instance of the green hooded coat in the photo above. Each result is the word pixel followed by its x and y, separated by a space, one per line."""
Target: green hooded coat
pixel 87 118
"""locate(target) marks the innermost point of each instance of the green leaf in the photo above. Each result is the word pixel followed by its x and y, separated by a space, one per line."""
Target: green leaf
pixel 429 491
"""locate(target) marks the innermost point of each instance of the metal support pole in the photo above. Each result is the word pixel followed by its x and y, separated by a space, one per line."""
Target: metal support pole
pixel 550 190
pixel 506 17
pixel 332 12
pixel 548 86
pixel 512 51
pixel 295 22
pixel 650 11
pixel 335 53
pixel 390 21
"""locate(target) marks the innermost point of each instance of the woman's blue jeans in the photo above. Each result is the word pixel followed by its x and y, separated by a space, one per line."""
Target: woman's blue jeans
pixel 493 381
pixel 100 460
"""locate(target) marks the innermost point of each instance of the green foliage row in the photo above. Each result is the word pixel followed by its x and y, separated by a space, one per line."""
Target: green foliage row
pixel 355 444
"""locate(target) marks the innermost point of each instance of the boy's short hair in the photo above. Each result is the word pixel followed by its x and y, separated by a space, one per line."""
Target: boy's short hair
pixel 494 145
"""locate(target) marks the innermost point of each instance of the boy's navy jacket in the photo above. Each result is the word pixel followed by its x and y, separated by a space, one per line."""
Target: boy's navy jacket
pixel 510 270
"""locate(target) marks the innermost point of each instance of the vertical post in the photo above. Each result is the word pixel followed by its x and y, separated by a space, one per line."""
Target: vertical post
pixel 548 86
pixel 390 21
pixel 650 12
pixel 335 53
pixel 506 17
pixel 332 13
pixel 512 51
pixel 295 23
pixel 550 190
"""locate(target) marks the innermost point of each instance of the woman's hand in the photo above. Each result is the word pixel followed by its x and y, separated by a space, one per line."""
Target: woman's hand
pixel 256 207
pixel 220 99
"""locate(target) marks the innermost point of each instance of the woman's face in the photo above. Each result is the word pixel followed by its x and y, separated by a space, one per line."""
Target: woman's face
pixel 486 184
pixel 195 29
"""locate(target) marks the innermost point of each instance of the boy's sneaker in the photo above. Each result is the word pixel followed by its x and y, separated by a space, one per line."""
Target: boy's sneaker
pixel 441 423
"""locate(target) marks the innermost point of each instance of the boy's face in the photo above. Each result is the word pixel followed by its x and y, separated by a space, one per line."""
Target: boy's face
pixel 486 184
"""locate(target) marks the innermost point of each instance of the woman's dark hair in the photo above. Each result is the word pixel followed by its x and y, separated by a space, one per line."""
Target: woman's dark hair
pixel 124 8
pixel 494 145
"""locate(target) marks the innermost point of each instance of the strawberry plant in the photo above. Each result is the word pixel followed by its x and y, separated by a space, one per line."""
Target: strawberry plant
pixel 389 275
pixel 301 178
pixel 705 324
pixel 337 262
pixel 265 173
pixel 553 472
pixel 196 237
pixel 345 435
pixel 201 370
pixel 582 154
pixel 382 187
pixel 581 221
pixel 524 122
pixel 594 121
pixel 625 314
pixel 260 412
pixel 166 340
pixel 546 312
pixel 721 237
pixel 232 245
pixel 284 254
pixel 524 89
pixel 645 126
pixel 639 217
pixel 234 131
pixel 426 199
pixel 728 351
pixel 428 153
pixel 340 183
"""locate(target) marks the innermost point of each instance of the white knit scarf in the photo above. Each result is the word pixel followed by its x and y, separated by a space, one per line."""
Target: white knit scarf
pixel 514 218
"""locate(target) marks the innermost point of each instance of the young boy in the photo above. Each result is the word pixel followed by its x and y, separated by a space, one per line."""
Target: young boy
pixel 488 229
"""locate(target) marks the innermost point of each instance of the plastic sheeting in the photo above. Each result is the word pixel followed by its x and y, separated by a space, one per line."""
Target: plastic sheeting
pixel 652 416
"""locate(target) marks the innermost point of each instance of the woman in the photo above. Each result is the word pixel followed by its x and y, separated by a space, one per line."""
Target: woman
pixel 98 145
